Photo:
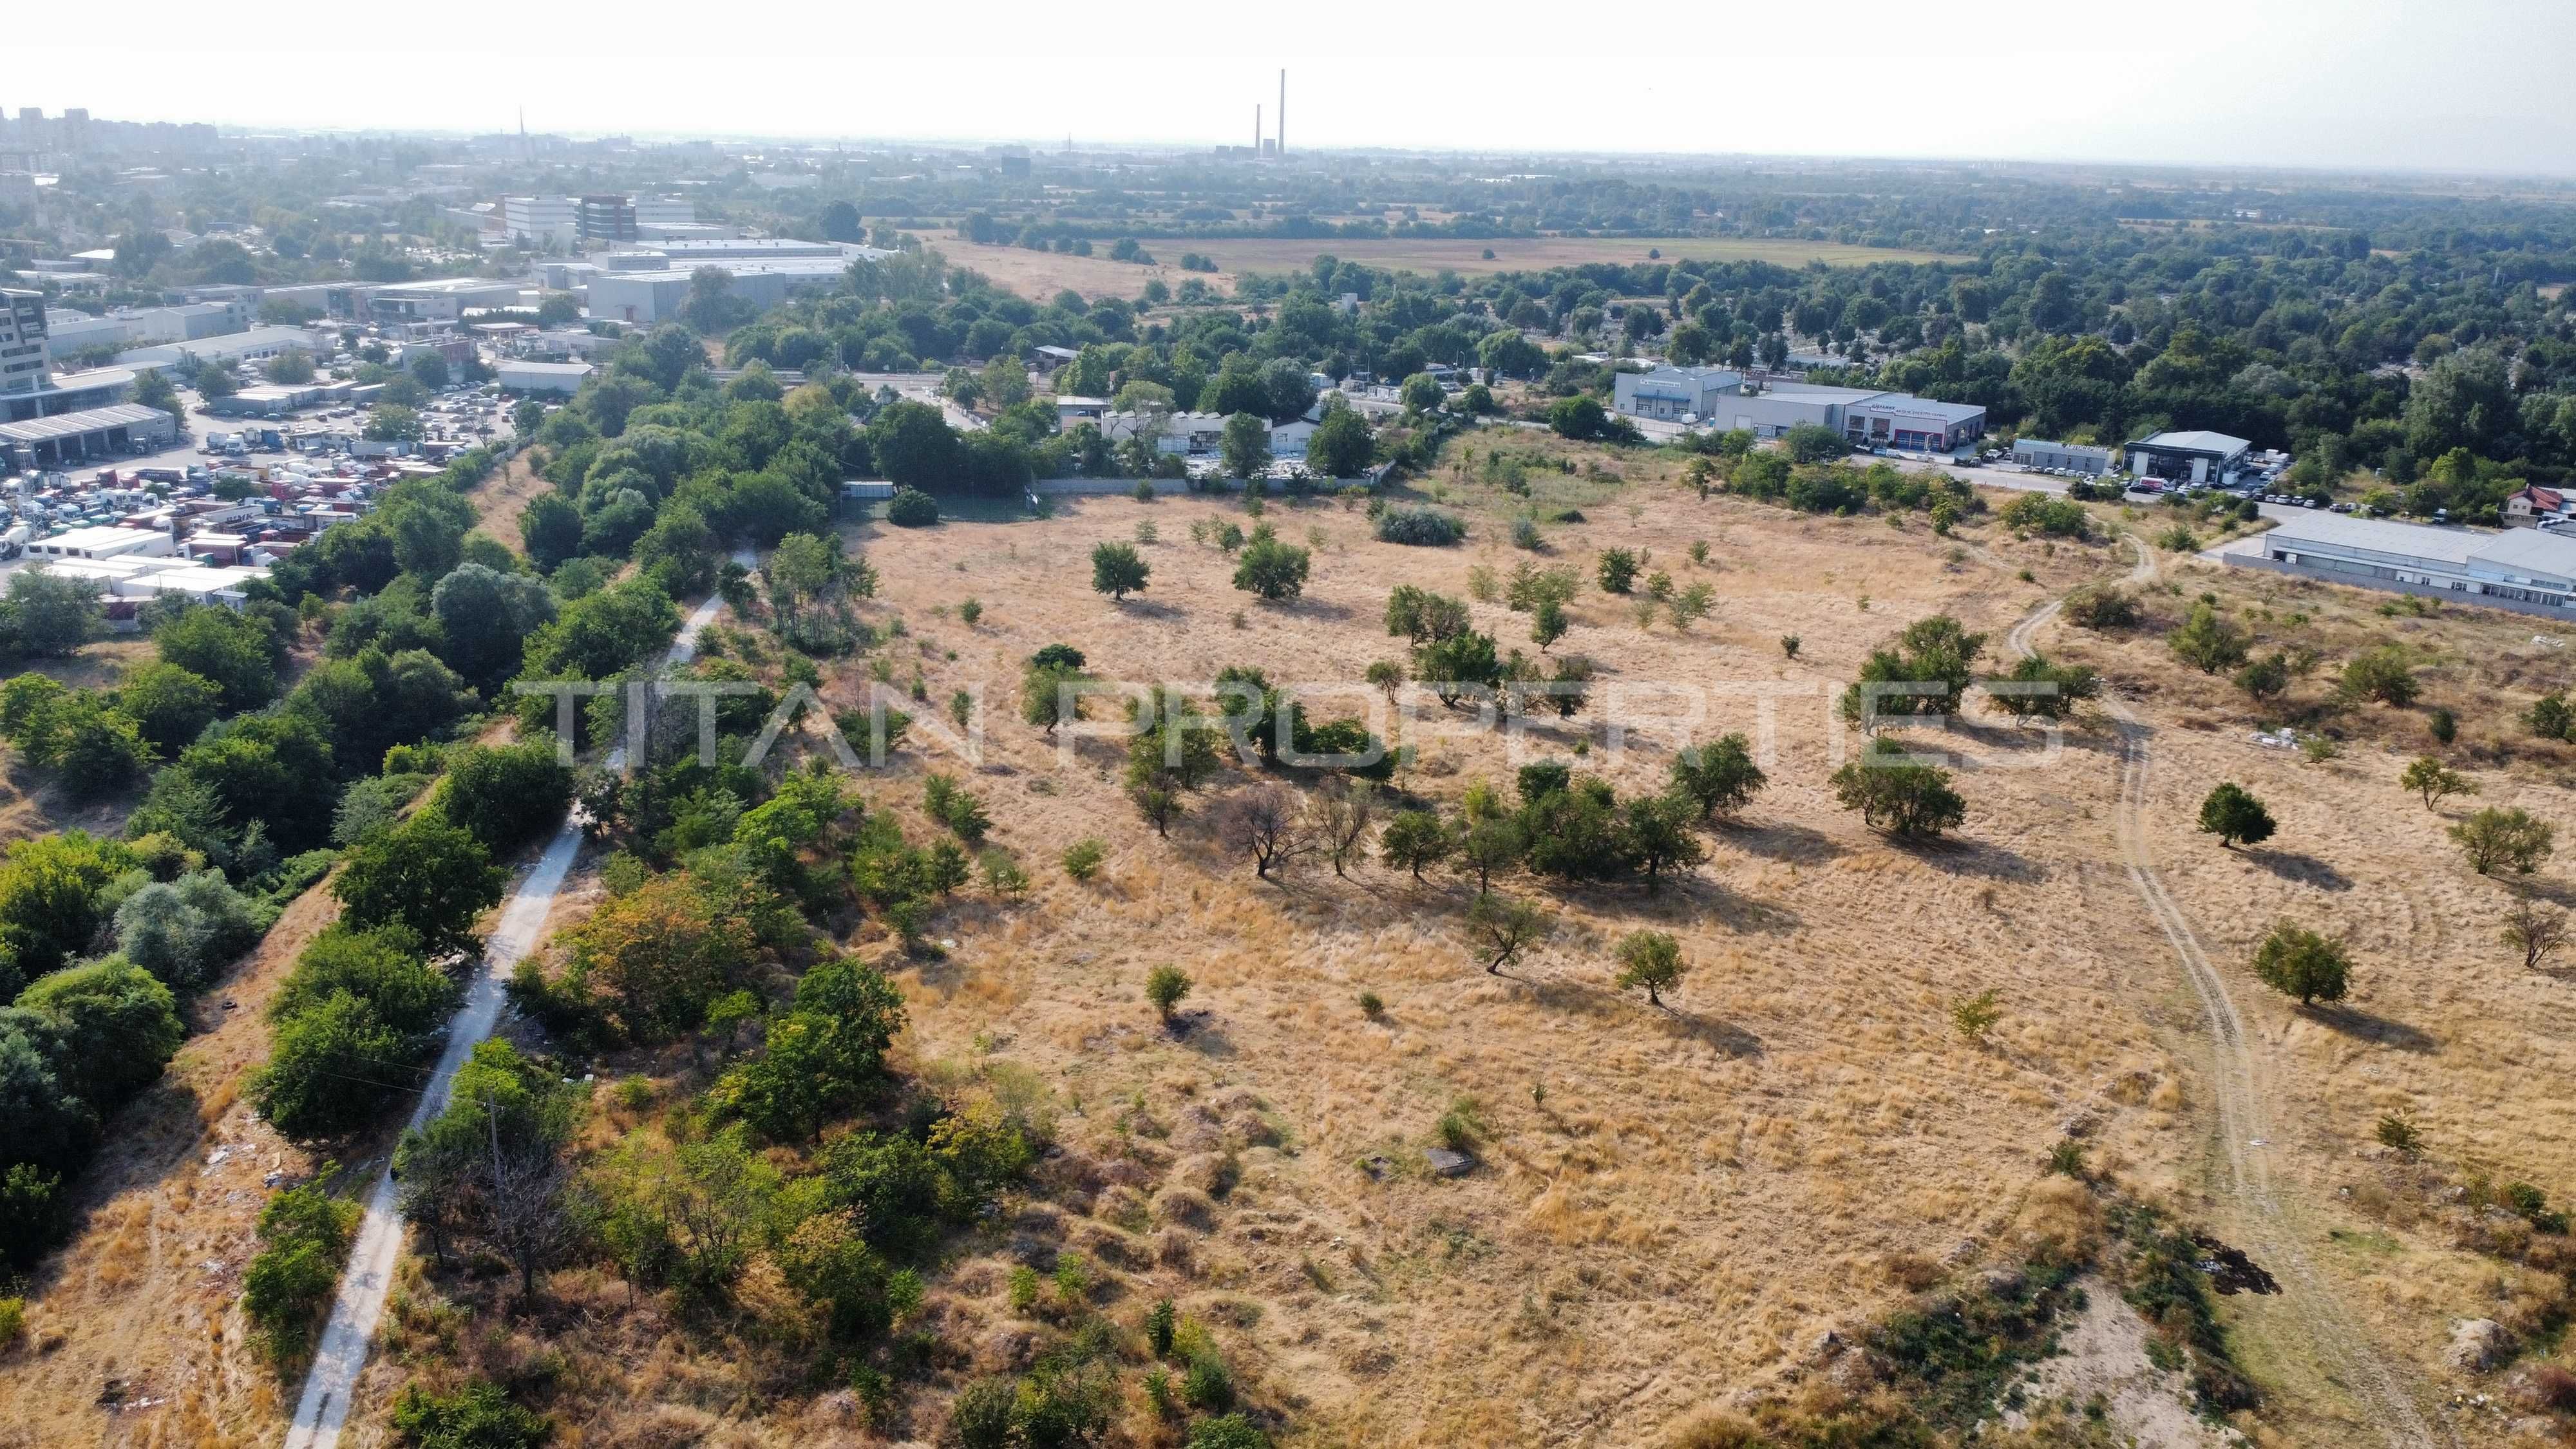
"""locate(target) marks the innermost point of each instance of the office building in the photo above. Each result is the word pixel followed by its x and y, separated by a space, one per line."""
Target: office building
pixel 541 221
pixel 563 378
pixel 440 299
pixel 2065 457
pixel 1866 419
pixel 1674 394
pixel 606 220
pixel 22 342
pixel 2192 457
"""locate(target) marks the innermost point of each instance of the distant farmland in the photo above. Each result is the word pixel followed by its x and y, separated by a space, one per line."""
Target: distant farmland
pixel 1430 254
pixel 1042 274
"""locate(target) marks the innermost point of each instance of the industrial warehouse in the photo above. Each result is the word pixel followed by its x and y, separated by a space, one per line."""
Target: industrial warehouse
pixel 2527 570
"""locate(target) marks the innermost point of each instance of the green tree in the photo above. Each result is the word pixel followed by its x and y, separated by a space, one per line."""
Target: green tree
pixel 304 1236
pixel 550 529
pixel 392 423
pixel 1580 418
pixel 236 652
pixel 110 1027
pixel 2207 642
pixel 2508 837
pixel 2265 678
pixel 1650 959
pixel 49 616
pixel 1118 570
pixel 2550 716
pixel 51 901
pixel 2298 962
pixel 2435 781
pixel 1720 778
pixel 1904 799
pixel 424 874
pixel 1244 447
pixel 1658 834
pixel 2232 814
pixel 823 1058
pixel 1164 987
pixel 169 705
pixel 1273 570
pixel 1547 623
pixel 506 795
pixel 1489 846
pixel 2036 689
pixel 1504 927
pixel 1926 673
pixel 1340 446
pixel 1618 570
pixel 2385 673
pixel 1415 840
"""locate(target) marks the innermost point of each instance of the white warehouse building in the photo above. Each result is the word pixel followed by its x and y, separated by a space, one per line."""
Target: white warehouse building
pixel 2527 570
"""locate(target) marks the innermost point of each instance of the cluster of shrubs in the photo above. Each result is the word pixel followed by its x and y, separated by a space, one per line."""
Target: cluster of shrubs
pixel 1577 828
pixel 1426 527
pixel 82 1036
pixel 1772 477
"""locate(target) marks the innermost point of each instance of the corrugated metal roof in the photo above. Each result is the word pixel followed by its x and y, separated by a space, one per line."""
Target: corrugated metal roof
pixel 2531 550
pixel 72 425
pixel 2202 442
pixel 2451 546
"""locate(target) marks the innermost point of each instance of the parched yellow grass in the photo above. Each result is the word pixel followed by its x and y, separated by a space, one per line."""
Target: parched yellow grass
pixel 1043 274
pixel 1670 1206
pixel 2444 1027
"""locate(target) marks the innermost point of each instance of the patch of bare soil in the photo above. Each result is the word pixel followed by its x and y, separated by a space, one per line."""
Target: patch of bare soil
pixel 2102 1366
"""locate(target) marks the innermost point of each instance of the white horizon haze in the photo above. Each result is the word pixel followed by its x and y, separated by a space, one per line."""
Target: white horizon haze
pixel 2471 86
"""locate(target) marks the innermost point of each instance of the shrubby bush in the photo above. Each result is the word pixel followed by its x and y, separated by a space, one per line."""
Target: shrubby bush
pixel 1425 527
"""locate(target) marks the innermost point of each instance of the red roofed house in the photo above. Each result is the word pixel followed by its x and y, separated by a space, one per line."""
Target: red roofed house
pixel 2526 508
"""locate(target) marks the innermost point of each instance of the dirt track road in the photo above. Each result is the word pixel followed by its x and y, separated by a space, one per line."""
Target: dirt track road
pixel 2261 1209
pixel 329 1384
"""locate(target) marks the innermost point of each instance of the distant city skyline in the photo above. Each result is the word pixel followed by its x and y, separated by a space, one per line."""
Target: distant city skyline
pixel 2468 86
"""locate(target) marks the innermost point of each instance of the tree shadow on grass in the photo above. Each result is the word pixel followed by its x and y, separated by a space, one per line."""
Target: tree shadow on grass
pixel 1713 1032
pixel 1959 855
pixel 1792 844
pixel 1198 1030
pixel 2301 869
pixel 2365 1026
pixel 1592 1000
pixel 147 1141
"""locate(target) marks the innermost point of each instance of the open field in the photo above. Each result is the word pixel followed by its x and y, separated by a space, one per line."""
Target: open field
pixel 1672 1206
pixel 1043 274
pixel 1537 254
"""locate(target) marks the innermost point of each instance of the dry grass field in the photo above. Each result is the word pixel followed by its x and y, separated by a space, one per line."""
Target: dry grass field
pixel 1043 274
pixel 1670 1207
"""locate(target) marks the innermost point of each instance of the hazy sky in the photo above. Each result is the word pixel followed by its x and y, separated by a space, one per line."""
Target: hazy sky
pixel 2463 84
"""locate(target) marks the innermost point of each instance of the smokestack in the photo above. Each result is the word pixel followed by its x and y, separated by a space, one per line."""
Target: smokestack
pixel 1283 110
pixel 1256 128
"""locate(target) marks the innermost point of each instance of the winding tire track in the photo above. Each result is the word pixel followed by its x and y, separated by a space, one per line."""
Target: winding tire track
pixel 331 1384
pixel 2244 1116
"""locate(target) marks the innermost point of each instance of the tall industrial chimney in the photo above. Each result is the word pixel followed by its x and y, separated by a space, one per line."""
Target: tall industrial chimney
pixel 1283 110
pixel 1256 128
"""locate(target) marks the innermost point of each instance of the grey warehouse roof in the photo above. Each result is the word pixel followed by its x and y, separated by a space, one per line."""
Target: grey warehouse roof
pixel 2196 442
pixel 72 425
pixel 2378 535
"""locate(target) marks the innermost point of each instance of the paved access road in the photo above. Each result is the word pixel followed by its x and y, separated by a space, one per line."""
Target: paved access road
pixel 351 1332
